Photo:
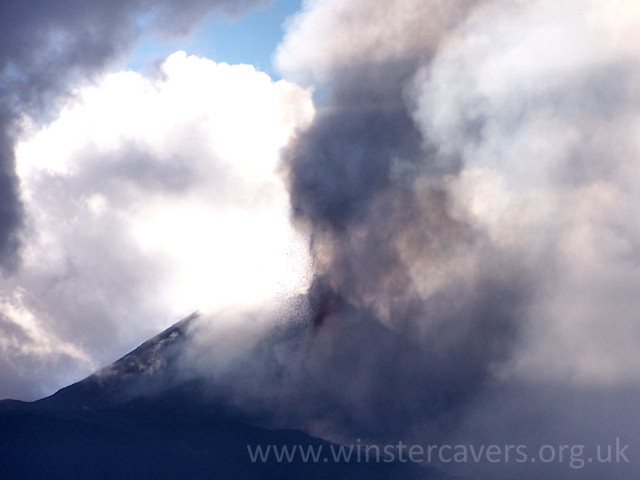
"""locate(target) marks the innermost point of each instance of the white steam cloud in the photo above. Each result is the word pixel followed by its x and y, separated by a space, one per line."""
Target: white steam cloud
pixel 541 106
pixel 148 198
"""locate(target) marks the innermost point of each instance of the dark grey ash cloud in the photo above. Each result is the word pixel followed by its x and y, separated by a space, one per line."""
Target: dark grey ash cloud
pixel 413 306
pixel 48 46
pixel 468 194
pixel 413 310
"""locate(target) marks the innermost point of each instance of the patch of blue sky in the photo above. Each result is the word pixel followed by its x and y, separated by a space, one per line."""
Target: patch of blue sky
pixel 250 39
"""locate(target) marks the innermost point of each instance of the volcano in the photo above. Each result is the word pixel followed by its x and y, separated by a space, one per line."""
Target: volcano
pixel 137 418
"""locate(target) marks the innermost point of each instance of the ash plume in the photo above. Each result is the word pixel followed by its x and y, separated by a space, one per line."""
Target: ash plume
pixel 372 191
pixel 413 310
pixel 467 193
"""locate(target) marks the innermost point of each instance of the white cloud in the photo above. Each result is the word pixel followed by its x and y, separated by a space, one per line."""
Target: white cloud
pixel 148 198
pixel 539 103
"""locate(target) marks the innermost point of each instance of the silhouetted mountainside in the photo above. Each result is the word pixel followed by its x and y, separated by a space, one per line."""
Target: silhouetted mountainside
pixel 149 370
pixel 137 419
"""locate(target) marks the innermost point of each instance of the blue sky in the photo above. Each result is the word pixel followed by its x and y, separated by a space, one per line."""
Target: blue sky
pixel 250 39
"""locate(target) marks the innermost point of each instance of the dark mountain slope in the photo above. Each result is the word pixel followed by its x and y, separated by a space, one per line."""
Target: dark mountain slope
pixel 137 419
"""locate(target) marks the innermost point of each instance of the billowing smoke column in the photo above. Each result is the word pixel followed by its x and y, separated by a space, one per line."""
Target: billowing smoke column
pixel 458 189
pixel 412 310
pixel 46 47
pixel 416 306
pixel 392 262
